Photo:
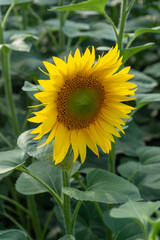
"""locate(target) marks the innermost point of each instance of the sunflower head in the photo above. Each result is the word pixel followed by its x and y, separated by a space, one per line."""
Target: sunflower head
pixel 84 103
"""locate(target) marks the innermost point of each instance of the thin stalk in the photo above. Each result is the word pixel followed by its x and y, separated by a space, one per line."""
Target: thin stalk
pixel 61 24
pixel 6 141
pixel 66 204
pixel 50 190
pixel 24 19
pixel 34 217
pixel 15 204
pixel 15 198
pixel 17 224
pixel 7 13
pixel 112 24
pixel 123 17
pixel 130 6
pixel 49 31
pixel 6 207
pixel 112 157
pixel 5 110
pixel 133 175
pixel 47 222
pixel 75 216
pixel 108 231
pixel 5 60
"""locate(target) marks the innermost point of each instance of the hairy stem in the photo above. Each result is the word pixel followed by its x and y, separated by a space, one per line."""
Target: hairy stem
pixel 66 204
pixel 122 24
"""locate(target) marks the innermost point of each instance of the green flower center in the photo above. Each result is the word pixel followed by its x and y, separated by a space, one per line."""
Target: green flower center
pixel 79 102
pixel 83 103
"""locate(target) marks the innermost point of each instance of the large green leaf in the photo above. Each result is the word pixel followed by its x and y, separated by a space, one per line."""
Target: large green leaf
pixel 144 82
pixel 153 69
pixel 54 24
pixel 143 99
pixel 91 5
pixel 9 2
pixel 105 187
pixel 50 174
pixel 141 22
pixel 67 237
pixel 10 160
pixel 114 224
pixel 139 211
pixel 27 144
pixel 13 234
pixel 129 52
pixel 141 31
pixel 131 231
pixel 129 142
pixel 96 30
pixel 20 42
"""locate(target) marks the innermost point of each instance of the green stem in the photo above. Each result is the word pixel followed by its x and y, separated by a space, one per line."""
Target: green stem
pixel 122 24
pixel 14 195
pixel 50 190
pixel 112 157
pixel 108 231
pixel 75 215
pixel 15 203
pixel 112 24
pixel 130 6
pixel 133 175
pixel 47 222
pixel 7 13
pixel 61 24
pixel 6 140
pixel 66 204
pixel 5 110
pixel 34 217
pixel 17 224
pixel 5 60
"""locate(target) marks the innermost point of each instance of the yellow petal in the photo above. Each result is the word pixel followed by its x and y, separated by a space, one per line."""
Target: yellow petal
pixel 62 66
pixel 81 145
pixel 74 137
pixel 61 143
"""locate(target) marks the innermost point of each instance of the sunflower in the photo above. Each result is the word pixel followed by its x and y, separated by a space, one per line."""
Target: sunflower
pixel 83 103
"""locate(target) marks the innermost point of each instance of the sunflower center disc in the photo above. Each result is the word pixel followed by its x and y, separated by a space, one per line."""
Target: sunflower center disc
pixel 83 103
pixel 79 102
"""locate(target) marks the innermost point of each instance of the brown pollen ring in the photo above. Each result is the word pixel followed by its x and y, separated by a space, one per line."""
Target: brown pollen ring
pixel 69 88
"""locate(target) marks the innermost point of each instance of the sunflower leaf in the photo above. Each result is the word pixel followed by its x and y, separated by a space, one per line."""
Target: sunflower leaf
pixel 30 146
pixel 105 187
pixel 50 174
pixel 141 31
pixel 10 160
pixel 91 5
pixel 139 211
pixel 129 52
pixel 143 99
pixel 13 234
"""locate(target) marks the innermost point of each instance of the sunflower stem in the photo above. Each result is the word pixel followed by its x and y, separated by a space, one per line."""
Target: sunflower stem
pixel 112 157
pixel 34 217
pixel 75 215
pixel 5 62
pixel 66 204
pixel 61 24
pixel 123 17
